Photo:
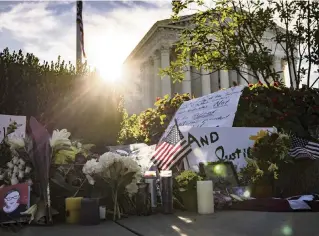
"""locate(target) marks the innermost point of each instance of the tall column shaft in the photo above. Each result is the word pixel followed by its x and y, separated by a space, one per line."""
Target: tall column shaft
pixel 157 78
pixel 187 82
pixel 224 79
pixel 166 80
pixel 205 82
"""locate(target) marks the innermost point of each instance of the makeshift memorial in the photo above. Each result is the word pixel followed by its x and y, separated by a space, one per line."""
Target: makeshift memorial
pixel 14 202
pixel 167 191
pixel 116 173
pixel 186 183
pixel 205 197
pixel 268 155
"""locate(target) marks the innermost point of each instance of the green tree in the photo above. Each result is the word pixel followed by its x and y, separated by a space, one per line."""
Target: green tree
pixel 232 35
pixel 59 96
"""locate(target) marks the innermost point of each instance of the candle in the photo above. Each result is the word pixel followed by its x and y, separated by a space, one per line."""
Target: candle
pixel 102 212
pixel 205 197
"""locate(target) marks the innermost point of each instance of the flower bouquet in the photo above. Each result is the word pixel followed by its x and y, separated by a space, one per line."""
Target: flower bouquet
pixel 120 174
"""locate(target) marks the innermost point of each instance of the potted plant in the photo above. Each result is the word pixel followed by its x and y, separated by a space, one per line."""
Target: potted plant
pixel 269 153
pixel 186 182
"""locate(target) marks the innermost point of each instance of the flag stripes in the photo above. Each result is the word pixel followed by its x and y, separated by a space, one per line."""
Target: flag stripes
pixel 79 21
pixel 171 149
pixel 302 148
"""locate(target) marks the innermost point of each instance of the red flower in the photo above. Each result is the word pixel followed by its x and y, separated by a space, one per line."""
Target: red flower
pixel 158 98
pixel 276 84
pixel 250 85
pixel 260 83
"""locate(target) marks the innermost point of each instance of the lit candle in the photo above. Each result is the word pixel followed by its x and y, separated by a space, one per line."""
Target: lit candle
pixel 205 197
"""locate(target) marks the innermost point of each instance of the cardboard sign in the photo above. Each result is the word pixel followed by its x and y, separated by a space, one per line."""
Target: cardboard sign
pixel 213 110
pixel 219 144
pixel 14 200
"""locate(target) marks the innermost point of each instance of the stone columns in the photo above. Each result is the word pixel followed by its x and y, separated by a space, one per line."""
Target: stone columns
pixel 277 65
pixel 292 74
pixel 224 79
pixel 166 80
pixel 157 78
pixel 187 82
pixel 245 75
pixel 142 85
pixel 150 83
pixel 232 77
pixel 205 82
pixel 214 81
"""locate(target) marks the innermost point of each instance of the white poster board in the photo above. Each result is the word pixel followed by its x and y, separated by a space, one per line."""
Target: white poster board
pixel 219 144
pixel 213 110
pixel 6 120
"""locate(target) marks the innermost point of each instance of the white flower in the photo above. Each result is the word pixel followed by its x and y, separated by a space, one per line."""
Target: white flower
pixel 21 167
pixel 274 129
pixel 79 145
pixel 90 179
pixel 90 167
pixel 132 187
pixel 10 165
pixel 1 177
pixel 60 137
pixel 27 170
pixel 15 142
pixel 15 169
pixel 14 180
pixel 22 162
pixel 15 160
pixel 21 174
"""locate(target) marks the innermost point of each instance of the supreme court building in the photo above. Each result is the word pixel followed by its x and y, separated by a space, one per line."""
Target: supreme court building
pixel 155 51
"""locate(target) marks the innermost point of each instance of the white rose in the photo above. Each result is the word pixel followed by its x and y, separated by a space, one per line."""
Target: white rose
pixel 22 162
pixel 27 170
pixel 15 160
pixel 21 174
pixel 15 142
pixel 60 137
pixel 14 180
pixel 10 165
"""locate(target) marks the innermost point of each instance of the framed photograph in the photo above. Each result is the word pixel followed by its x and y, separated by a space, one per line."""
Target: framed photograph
pixel 14 200
pixel 223 174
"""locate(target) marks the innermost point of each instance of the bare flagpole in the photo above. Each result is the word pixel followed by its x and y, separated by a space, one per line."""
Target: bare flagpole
pixel 79 33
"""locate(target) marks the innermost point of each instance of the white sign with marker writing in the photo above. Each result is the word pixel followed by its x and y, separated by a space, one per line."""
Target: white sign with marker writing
pixel 213 110
pixel 219 144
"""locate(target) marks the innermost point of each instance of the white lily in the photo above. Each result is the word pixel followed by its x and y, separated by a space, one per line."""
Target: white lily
pixel 15 142
pixel 60 137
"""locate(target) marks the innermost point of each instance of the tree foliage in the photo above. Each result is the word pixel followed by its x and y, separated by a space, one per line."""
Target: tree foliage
pixel 59 96
pixel 150 124
pixel 244 35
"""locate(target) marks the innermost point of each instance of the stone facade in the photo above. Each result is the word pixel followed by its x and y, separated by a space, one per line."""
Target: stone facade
pixel 153 52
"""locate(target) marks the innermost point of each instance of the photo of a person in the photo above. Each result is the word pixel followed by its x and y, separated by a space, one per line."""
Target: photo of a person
pixel 14 199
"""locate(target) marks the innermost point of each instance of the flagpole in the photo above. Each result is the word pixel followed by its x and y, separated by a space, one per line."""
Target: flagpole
pixel 78 38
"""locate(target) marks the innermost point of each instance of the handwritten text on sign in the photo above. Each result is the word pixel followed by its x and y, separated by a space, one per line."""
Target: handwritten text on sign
pixel 212 110
pixel 219 144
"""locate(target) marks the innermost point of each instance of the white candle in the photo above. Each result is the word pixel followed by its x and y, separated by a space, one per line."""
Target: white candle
pixel 102 212
pixel 205 197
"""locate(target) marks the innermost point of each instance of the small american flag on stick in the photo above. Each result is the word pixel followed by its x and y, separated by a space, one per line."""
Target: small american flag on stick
pixel 79 7
pixel 302 148
pixel 171 149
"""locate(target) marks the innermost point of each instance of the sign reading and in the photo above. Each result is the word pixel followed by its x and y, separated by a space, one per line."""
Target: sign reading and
pixel 219 144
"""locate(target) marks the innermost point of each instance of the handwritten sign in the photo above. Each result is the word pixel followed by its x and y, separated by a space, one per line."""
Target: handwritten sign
pixel 219 144
pixel 6 120
pixel 213 110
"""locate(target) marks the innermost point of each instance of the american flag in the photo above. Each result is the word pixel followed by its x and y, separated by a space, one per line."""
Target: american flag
pixel 79 20
pixel 171 149
pixel 302 148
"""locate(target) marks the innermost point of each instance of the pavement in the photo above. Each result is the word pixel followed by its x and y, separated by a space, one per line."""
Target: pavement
pixel 224 223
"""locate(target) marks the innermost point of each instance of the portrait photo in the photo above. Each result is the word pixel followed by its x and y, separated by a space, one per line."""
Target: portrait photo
pixel 14 199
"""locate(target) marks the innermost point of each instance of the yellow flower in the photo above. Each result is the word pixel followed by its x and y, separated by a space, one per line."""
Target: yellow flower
pixel 260 134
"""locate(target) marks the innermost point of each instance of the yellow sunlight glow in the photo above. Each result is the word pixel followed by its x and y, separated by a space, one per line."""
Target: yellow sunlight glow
pixel 107 56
